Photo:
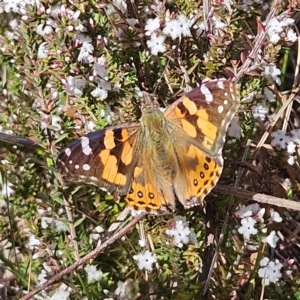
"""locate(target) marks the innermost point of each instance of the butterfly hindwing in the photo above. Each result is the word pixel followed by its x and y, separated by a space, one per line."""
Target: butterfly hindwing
pixel 150 191
pixel 198 174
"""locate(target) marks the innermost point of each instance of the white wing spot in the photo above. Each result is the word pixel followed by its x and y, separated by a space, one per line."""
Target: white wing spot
pixel 70 162
pixel 85 144
pixel 220 109
pixel 86 167
pixel 208 95
pixel 220 84
pixel 226 94
pixel 225 102
pixel 68 151
pixel 76 167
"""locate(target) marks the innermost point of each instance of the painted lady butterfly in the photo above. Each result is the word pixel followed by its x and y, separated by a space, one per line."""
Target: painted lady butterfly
pixel 175 152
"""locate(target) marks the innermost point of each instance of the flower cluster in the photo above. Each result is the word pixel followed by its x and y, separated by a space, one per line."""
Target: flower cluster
pixel 252 218
pixel 252 221
pixel 181 232
pixel 260 110
pixel 289 141
pixel 92 273
pixel 278 29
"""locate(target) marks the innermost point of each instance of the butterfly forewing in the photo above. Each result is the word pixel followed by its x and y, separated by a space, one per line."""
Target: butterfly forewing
pixel 205 112
pixel 105 158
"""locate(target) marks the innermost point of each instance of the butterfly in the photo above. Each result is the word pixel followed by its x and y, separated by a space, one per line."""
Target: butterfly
pixel 165 155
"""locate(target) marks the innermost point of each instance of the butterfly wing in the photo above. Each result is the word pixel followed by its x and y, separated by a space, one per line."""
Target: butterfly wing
pixel 199 121
pixel 105 158
pixel 150 190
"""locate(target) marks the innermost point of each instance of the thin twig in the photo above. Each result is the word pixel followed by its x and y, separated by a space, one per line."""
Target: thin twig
pixel 261 198
pixel 257 44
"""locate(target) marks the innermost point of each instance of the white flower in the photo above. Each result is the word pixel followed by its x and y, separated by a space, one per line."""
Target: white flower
pixel 120 4
pixel 291 160
pixel 271 239
pixel 270 271
pixel 96 234
pixel 43 51
pixel 60 226
pixel 42 276
pixel 291 36
pixel 269 95
pixel 142 243
pixel 56 123
pixel 7 190
pixel 107 114
pixel 99 68
pixel 185 25
pixel 280 139
pixel 227 4
pixel 260 111
pixel 234 128
pixel 103 84
pixel 172 28
pixel 248 211
pixel 181 233
pixel 200 28
pixel 14 23
pixel 75 86
pixel 62 293
pixel 82 38
pixel 152 25
pixel 46 29
pixel 244 4
pixel 145 260
pixel 272 72
pixel 176 28
pixel 99 93
pixel 247 227
pixel 275 217
pixel 33 242
pixel 90 126
pixel 46 221
pixel 85 53
pixel 218 23
pixel 92 273
pixel 291 147
pixel 120 291
pixel 156 44
pixel 16 6
pixel 124 289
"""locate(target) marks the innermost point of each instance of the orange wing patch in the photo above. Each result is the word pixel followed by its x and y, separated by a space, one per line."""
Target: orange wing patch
pixel 149 194
pixel 201 174
pixel 208 129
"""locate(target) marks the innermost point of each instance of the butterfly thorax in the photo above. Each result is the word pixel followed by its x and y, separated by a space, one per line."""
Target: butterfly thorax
pixel 158 148
pixel 153 125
